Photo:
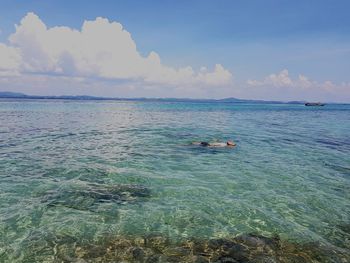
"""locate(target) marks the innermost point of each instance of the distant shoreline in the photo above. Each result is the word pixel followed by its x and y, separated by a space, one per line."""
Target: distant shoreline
pixel 13 95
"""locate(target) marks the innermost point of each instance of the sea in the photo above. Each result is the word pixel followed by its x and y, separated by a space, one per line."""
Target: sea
pixel 120 181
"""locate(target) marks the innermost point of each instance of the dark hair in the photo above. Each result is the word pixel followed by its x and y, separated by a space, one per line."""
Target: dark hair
pixel 205 143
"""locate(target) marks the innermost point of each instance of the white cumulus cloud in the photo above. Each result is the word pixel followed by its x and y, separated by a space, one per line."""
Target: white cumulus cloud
pixel 101 49
pixel 10 60
pixel 282 79
pixel 283 86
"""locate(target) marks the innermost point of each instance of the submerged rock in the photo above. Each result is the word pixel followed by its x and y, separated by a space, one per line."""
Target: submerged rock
pixel 200 259
pixel 138 253
pixel 85 197
pixel 156 242
pixel 117 193
pixel 226 260
pixel 249 248
pixel 153 259
pixel 253 240
pixel 177 251
pixel 264 259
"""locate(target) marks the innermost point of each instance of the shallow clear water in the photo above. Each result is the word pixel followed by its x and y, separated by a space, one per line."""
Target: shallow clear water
pixel 289 174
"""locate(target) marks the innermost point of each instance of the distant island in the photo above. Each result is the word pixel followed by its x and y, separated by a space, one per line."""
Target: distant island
pixel 16 95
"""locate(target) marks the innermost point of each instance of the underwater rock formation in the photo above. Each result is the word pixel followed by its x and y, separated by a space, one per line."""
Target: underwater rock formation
pixel 248 248
pixel 87 196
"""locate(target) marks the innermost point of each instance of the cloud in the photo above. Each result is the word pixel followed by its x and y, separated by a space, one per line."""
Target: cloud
pixel 283 86
pixel 101 58
pixel 101 49
pixel 281 80
pixel 10 60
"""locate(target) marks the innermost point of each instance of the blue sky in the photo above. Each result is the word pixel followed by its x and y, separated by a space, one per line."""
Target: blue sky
pixel 250 39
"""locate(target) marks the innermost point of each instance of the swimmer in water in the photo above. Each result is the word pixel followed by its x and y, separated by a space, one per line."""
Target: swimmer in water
pixel 215 144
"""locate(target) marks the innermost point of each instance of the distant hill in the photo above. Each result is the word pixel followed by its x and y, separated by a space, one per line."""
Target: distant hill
pixel 15 95
pixel 8 94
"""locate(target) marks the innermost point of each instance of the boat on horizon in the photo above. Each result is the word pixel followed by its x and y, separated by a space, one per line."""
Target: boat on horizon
pixel 314 104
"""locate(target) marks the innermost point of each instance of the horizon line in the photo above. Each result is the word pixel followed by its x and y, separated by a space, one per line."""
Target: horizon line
pixel 20 95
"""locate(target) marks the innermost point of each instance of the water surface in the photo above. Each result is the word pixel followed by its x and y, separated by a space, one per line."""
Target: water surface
pixel 82 171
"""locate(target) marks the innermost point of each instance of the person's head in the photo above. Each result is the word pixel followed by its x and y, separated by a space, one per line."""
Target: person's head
pixel 230 143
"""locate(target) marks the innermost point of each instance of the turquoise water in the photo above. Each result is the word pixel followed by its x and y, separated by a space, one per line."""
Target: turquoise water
pixel 87 170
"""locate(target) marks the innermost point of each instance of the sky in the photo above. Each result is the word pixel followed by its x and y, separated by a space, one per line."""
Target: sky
pixel 272 50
